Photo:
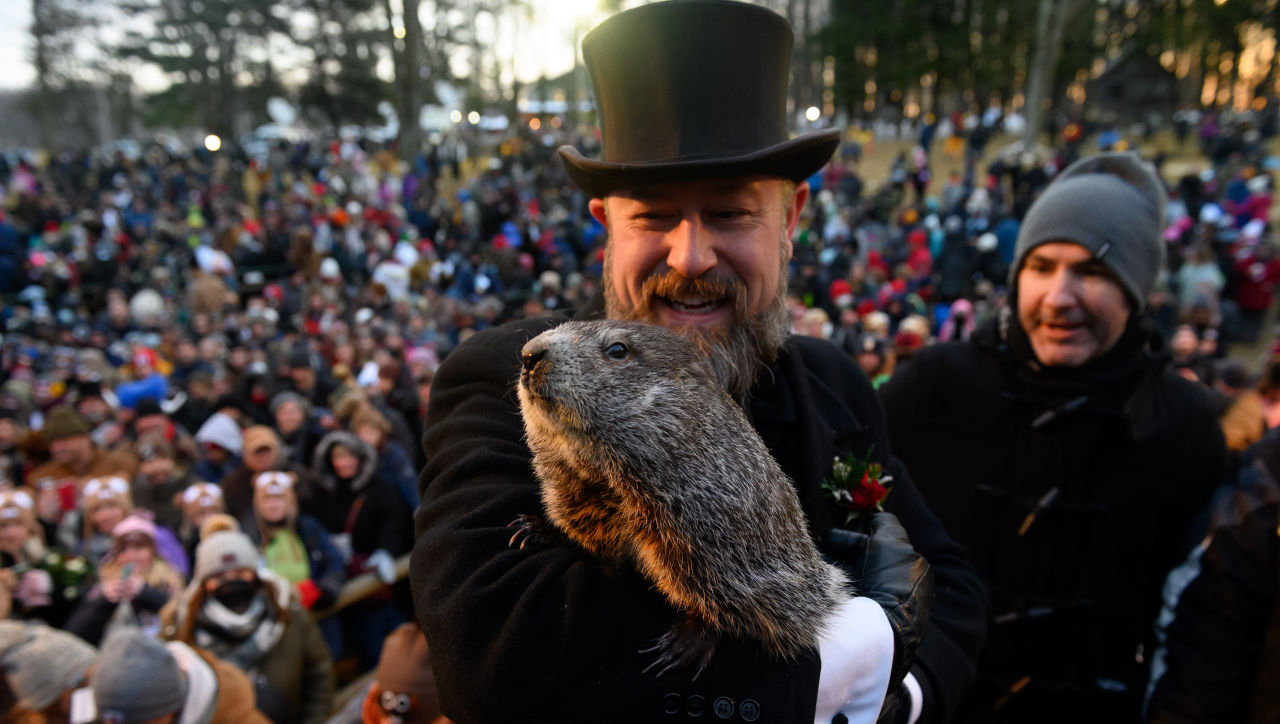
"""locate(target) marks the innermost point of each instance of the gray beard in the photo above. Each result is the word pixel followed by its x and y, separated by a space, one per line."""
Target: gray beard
pixel 736 355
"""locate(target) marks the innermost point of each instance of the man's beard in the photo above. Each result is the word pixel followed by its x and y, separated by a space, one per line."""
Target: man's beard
pixel 737 354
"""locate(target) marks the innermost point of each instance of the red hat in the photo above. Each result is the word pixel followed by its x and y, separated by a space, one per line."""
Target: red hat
pixel 840 288
pixel 144 356
pixel 916 237
pixel 866 307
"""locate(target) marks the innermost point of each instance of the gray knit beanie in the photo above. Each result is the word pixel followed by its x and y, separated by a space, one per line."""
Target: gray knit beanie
pixel 223 551
pixel 1111 204
pixel 40 663
pixel 136 679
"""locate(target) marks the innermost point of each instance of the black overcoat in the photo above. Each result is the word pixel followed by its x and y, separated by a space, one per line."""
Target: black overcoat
pixel 548 634
pixel 1072 507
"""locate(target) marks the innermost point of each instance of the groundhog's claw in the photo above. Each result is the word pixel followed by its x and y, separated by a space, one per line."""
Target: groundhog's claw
pixel 689 643
pixel 529 528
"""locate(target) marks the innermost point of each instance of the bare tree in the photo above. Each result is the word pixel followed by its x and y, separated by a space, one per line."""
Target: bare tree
pixel 1051 26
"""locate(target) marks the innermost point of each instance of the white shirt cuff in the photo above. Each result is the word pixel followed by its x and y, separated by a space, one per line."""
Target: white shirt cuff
pixel 917 697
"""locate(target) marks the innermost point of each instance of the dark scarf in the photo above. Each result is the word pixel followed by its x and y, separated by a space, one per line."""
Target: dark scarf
pixel 1104 383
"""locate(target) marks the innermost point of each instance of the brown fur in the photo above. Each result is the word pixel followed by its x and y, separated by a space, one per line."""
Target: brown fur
pixel 647 460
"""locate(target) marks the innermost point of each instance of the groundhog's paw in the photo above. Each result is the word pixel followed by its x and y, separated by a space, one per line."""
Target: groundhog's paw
pixel 530 529
pixel 690 643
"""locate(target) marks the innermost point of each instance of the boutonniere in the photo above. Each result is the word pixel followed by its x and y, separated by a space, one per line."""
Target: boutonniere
pixel 857 485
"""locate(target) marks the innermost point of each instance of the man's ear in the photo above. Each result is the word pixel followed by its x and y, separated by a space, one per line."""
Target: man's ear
pixel 798 199
pixel 598 212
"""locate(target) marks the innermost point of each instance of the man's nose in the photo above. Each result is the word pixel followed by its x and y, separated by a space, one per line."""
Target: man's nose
pixel 1063 290
pixel 691 251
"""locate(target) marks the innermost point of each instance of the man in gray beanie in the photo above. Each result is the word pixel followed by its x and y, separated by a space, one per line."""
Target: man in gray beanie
pixel 1061 450
pixel 139 679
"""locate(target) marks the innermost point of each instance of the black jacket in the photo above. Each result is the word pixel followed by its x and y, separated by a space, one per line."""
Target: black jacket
pixel 549 634
pixel 1219 655
pixel 1073 499
pixel 366 507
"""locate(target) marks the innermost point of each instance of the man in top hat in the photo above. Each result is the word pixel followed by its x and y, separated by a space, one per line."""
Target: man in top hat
pixel 1063 452
pixel 700 189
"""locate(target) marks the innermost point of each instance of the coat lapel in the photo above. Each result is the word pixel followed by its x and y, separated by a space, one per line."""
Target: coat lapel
pixel 806 444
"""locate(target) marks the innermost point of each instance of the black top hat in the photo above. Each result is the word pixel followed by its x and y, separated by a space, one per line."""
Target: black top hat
pixel 689 90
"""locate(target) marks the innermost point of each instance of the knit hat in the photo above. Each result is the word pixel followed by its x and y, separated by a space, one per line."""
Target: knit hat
pixel 221 552
pixel 135 524
pixel 1111 204
pixel 290 396
pixel 39 663
pixel 367 414
pixel 136 679
pixel 260 436
pixel 64 422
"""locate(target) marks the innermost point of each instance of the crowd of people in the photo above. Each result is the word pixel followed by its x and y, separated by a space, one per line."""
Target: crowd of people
pixel 216 368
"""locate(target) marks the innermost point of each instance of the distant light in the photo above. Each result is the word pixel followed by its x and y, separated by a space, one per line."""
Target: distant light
pixel 398 31
pixel 473 118
pixel 813 113
pixel 212 142
pixel 555 121
pixel 534 124
pixel 455 116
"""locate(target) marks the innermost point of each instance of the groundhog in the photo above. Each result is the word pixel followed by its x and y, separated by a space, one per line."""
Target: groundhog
pixel 645 459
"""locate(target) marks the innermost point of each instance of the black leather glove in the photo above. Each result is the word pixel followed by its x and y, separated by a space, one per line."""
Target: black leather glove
pixel 887 569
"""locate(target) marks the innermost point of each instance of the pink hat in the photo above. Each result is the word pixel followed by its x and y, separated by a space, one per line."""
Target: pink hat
pixel 135 523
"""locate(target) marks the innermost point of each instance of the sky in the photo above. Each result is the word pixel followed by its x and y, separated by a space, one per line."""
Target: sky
pixel 15 66
pixel 542 44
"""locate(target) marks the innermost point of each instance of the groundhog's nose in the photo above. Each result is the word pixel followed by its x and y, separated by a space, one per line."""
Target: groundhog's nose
pixel 532 355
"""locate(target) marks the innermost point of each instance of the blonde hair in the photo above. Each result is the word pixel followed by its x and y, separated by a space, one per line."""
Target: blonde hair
pixel 97 492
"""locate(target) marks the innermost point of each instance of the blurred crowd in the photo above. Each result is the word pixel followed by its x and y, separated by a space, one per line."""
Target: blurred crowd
pixel 214 367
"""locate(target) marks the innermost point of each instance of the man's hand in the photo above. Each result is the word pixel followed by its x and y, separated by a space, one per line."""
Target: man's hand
pixel 888 570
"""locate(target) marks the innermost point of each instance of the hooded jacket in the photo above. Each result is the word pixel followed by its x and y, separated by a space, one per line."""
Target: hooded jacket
pixel 1072 490
pixel 366 507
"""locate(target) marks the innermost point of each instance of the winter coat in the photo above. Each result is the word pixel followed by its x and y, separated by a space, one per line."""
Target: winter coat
pixel 89 620
pixel 1072 498
pixel 486 607
pixel 395 467
pixel 1219 655
pixel 366 507
pixel 102 463
pixel 217 692
pixel 294 679
pixel 161 499
pixel 327 569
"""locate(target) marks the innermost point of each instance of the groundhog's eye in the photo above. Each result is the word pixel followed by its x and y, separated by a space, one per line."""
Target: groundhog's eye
pixel 617 350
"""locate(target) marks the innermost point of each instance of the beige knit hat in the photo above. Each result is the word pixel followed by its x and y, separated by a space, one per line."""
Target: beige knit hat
pixel 40 663
pixel 221 552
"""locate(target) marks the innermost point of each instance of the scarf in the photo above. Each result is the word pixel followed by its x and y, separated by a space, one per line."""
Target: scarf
pixel 241 639
pixel 1102 383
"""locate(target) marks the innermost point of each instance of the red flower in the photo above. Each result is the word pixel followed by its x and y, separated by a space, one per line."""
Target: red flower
pixel 868 494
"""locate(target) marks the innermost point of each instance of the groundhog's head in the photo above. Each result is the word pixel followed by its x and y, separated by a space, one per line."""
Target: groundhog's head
pixel 604 379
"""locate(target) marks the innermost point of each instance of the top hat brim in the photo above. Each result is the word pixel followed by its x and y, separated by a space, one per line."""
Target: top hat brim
pixel 796 159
